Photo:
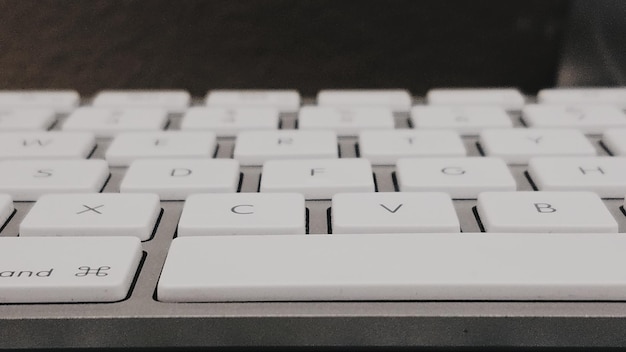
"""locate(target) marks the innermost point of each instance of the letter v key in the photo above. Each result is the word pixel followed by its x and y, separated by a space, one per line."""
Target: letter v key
pixel 391 211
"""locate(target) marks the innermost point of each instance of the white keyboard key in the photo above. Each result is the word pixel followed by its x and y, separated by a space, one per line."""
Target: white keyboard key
pixel 605 176
pixel 27 180
pixel 386 147
pixel 175 179
pixel 256 147
pixel 129 146
pixel 391 212
pixel 615 141
pixel 46 145
pixel 518 145
pixel 507 98
pixel 467 120
pixel 61 101
pixel 592 119
pixel 394 99
pixel 283 100
pixel 228 122
pixel 171 100
pixel 6 208
pixel 93 214
pixel 462 178
pixel 548 212
pixel 346 121
pixel 25 119
pixel 107 122
pixel 243 214
pixel 574 96
pixel 67 269
pixel 374 267
pixel 317 178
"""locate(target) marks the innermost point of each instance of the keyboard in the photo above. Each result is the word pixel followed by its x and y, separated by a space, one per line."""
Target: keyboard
pixel 356 218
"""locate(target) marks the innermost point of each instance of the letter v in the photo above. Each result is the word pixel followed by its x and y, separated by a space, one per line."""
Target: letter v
pixel 391 211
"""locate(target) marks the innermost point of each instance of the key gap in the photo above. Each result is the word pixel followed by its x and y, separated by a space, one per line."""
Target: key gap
pixel 339 150
pixel 394 180
pixel 105 183
pixel 357 150
pixel 92 152
pixel 329 220
pixel 168 122
pixel 156 226
pixel 603 146
pixel 239 185
pixel 217 148
pixel 8 220
pixel 258 188
pixel 530 180
pixel 480 149
pixel 136 277
pixel 480 223
pixel 523 122
pixel 306 220
pixel 375 182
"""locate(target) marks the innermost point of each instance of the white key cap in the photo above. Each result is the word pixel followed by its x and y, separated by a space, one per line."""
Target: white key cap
pixel 517 146
pixel 256 147
pixel 6 208
pixel 572 96
pixel 317 178
pixel 93 214
pixel 243 214
pixel 386 147
pixel 228 122
pixel 605 176
pixel 27 180
pixel 615 141
pixel 377 267
pixel 467 120
pixel 67 269
pixel 61 101
pixel 129 146
pixel 462 178
pixel 170 100
pixel 25 119
pixel 510 99
pixel 592 119
pixel 391 212
pixel 175 179
pixel 46 145
pixel 346 121
pixel 394 99
pixel 564 212
pixel 107 122
pixel 283 100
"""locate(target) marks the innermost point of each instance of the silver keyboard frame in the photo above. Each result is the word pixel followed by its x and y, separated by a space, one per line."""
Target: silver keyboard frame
pixel 141 321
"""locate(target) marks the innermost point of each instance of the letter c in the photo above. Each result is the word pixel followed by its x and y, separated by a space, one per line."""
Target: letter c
pixel 236 210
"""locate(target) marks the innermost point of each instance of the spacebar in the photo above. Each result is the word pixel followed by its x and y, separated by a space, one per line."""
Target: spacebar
pixel 480 266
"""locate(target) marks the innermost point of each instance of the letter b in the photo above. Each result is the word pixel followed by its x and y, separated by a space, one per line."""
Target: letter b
pixel 544 208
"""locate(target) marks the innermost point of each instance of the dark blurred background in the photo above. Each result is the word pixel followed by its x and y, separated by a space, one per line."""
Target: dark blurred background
pixel 307 44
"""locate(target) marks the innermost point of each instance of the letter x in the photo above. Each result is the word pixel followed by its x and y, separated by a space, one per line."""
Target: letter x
pixel 91 209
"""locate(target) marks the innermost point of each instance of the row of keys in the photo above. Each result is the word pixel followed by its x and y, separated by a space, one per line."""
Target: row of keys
pixel 385 147
pixel 347 121
pixel 175 179
pixel 114 214
pixel 290 101
pixel 392 267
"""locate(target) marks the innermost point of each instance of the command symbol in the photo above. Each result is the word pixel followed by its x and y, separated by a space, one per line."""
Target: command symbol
pixel 87 270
